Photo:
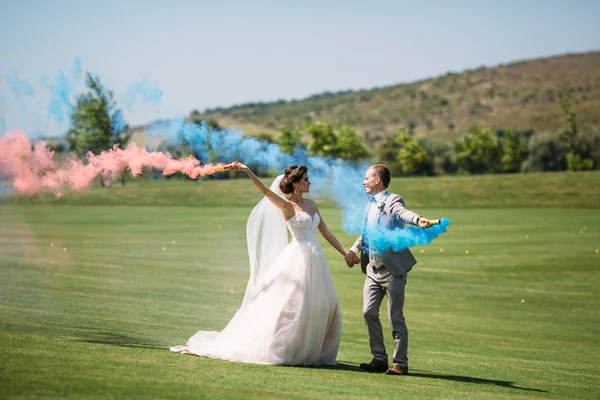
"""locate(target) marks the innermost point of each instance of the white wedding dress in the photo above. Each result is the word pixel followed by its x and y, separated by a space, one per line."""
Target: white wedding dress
pixel 290 314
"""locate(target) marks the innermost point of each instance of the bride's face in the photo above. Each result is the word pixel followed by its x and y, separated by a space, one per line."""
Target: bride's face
pixel 304 184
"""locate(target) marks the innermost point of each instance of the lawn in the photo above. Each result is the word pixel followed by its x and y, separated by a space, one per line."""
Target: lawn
pixel 94 289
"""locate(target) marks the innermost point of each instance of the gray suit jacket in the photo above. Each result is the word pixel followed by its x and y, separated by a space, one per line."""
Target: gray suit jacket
pixel 392 215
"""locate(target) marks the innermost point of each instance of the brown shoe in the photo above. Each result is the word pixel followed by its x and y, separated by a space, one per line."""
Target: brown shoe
pixel 375 366
pixel 397 370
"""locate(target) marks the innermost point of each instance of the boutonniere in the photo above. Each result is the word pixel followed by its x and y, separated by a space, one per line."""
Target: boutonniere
pixel 380 205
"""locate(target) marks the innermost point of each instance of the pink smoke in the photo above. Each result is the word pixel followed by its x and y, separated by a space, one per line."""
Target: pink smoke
pixel 33 169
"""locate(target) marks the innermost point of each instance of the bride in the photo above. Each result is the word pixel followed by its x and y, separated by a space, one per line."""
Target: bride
pixel 290 314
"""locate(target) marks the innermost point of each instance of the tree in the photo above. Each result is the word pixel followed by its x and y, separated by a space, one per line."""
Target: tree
pixel 588 145
pixel 349 144
pixel 342 143
pixel 387 152
pixel 289 139
pixel 440 152
pixel 264 137
pixel 569 137
pixel 197 118
pixel 514 152
pixel 569 128
pixel 546 152
pixel 96 124
pixel 413 157
pixel 324 141
pixel 478 151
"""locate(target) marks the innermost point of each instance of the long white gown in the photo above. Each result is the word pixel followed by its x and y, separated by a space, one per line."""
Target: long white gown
pixel 294 316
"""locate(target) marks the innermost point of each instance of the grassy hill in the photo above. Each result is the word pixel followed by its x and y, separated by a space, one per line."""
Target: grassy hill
pixel 521 95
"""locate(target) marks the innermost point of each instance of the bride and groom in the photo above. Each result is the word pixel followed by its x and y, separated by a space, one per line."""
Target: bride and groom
pixel 290 313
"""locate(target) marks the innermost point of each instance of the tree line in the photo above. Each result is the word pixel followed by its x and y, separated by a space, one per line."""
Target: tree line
pixel 98 125
pixel 478 150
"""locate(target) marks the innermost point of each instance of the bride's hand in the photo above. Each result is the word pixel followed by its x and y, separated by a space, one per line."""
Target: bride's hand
pixel 238 166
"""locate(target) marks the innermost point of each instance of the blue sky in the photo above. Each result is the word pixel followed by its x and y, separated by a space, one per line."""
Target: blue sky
pixel 219 53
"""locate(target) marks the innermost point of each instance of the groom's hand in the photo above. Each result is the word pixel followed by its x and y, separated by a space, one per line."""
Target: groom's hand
pixel 351 259
pixel 423 223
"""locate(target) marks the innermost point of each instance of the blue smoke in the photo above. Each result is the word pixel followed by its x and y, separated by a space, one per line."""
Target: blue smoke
pixel 60 107
pixel 61 104
pixel 337 179
pixel 264 155
pixel 225 145
pixel 20 88
pixel 45 80
pixel 143 92
pixel 400 239
pixel 117 125
pixel 76 70
pixel 350 195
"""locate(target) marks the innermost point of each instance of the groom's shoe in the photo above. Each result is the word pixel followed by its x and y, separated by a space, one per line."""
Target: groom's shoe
pixel 375 366
pixel 397 370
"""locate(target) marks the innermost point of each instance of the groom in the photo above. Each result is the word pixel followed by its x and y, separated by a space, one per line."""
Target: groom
pixel 386 272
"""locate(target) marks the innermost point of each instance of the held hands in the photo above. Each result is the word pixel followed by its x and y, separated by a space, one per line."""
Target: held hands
pixel 351 259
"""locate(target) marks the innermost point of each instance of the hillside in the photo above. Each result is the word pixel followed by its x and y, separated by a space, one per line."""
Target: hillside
pixel 520 95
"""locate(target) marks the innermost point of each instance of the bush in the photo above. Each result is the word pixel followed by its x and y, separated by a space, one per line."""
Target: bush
pixel 478 151
pixel 440 153
pixel 386 153
pixel 413 158
pixel 588 147
pixel 349 144
pixel 546 152
pixel 514 152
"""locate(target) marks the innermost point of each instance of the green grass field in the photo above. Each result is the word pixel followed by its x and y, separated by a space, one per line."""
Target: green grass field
pixel 96 286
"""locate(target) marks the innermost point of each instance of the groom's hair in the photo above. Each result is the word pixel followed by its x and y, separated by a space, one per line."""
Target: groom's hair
pixel 383 173
pixel 292 174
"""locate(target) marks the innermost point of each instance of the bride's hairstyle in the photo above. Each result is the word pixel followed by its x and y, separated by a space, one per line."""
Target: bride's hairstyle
pixel 292 175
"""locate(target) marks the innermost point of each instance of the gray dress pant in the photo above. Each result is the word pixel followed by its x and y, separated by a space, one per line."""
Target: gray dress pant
pixel 379 283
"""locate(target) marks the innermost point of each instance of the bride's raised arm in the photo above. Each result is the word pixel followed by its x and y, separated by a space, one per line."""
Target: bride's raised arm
pixel 279 202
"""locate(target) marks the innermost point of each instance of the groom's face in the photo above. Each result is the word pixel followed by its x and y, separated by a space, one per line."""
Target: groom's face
pixel 372 182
